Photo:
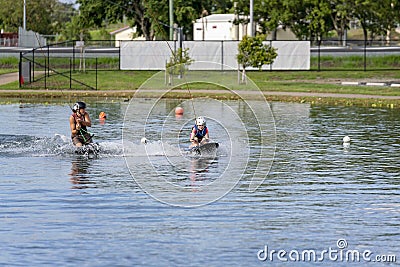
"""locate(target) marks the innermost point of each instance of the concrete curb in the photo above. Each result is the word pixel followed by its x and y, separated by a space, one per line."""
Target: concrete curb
pixel 390 84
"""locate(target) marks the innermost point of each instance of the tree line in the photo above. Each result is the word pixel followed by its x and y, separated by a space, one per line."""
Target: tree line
pixel 308 19
pixel 45 17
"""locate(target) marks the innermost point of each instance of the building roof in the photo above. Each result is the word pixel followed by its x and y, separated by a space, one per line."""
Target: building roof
pixel 120 30
pixel 218 18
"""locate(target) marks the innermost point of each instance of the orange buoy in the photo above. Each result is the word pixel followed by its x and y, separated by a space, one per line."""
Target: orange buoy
pixel 178 111
pixel 102 115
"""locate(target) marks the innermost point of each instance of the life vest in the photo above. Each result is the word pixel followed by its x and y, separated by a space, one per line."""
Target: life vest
pixel 82 118
pixel 200 133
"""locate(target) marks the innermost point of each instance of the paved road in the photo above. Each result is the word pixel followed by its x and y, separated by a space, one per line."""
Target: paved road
pixel 8 78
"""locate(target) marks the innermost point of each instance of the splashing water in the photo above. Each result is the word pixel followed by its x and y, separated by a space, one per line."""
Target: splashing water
pixel 34 146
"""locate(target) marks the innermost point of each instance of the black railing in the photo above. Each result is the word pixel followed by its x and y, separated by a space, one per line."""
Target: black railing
pixel 68 62
pixel 60 66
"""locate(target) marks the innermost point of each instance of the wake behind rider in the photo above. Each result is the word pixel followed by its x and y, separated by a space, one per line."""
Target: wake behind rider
pixel 78 121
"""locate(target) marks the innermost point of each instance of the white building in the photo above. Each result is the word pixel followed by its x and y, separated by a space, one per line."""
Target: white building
pixel 219 27
pixel 126 33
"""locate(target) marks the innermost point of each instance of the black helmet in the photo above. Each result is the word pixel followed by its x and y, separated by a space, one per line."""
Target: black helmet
pixel 78 105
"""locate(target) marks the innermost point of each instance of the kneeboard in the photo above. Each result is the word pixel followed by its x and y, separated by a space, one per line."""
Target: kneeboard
pixel 89 149
pixel 206 149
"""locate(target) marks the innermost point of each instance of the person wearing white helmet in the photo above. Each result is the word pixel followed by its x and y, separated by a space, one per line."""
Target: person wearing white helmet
pixel 199 134
pixel 78 121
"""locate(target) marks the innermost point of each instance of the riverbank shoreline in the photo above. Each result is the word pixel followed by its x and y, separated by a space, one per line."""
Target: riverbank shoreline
pixel 61 96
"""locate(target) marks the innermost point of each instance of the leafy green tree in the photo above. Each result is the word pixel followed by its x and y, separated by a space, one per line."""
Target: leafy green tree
pixel 270 14
pixel 178 63
pixel 63 12
pixel 376 17
pixel 11 15
pixel 187 11
pixel 319 19
pixel 45 17
pixel 150 16
pixel 252 52
pixel 341 14
pixel 308 19
pixel 140 13
pixel 392 17
pixel 75 30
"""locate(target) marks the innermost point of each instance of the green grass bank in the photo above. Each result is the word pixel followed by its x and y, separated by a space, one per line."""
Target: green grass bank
pixel 114 84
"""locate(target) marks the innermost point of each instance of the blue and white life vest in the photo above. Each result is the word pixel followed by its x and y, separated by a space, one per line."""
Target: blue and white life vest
pixel 200 133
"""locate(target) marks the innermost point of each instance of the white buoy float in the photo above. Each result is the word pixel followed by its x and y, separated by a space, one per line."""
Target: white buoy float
pixel 346 141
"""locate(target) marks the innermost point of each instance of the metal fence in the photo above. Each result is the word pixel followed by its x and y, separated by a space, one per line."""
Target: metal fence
pixel 8 42
pixel 62 65
pixel 357 55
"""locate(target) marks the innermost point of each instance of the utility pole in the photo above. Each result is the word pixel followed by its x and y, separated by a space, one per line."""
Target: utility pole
pixel 24 23
pixel 171 19
pixel 237 21
pixel 251 17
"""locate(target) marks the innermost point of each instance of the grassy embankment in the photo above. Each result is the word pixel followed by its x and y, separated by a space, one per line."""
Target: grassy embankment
pixel 8 64
pixel 334 71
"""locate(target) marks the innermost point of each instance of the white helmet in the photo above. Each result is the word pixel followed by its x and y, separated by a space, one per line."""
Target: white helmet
pixel 200 121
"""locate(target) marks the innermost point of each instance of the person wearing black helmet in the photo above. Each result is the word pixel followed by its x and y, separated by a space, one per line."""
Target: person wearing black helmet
pixel 78 121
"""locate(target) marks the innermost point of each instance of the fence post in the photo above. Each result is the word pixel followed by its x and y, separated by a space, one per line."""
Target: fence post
pixel 119 56
pixel 365 54
pixel 222 55
pixel 319 55
pixel 73 55
pixel 70 73
pixel 270 65
pixel 33 65
pixel 20 69
pixel 96 73
pixel 45 72
pixel 48 61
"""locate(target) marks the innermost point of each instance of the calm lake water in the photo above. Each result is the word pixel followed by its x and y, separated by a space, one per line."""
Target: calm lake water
pixel 288 184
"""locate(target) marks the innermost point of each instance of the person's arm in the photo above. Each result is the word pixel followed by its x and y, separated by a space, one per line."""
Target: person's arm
pixel 206 137
pixel 72 125
pixel 87 122
pixel 192 135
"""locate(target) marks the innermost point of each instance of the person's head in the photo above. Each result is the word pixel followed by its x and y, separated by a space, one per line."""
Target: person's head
pixel 102 115
pixel 79 107
pixel 200 122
